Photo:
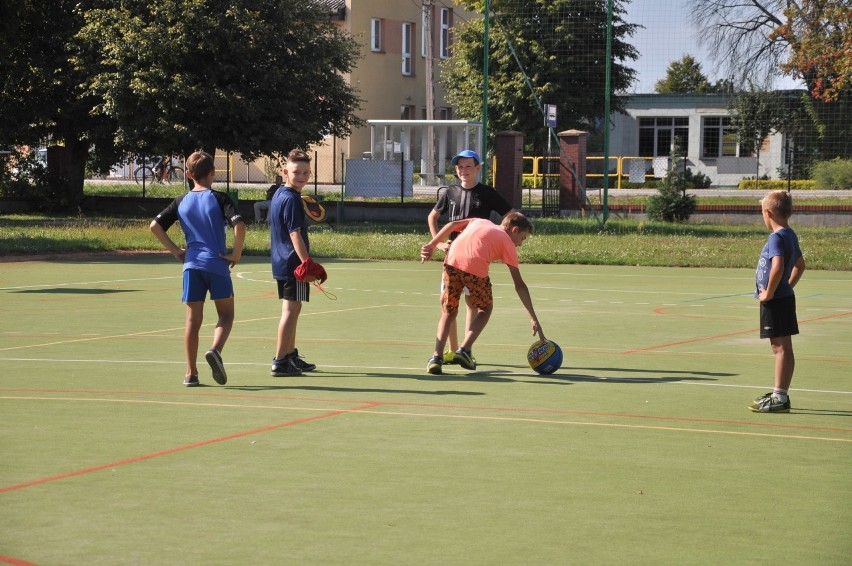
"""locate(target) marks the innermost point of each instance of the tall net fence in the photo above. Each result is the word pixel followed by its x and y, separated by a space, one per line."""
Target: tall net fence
pixel 732 90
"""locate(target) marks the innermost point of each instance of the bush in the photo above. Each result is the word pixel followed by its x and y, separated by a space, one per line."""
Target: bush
pixel 24 176
pixel 777 184
pixel 672 204
pixel 835 174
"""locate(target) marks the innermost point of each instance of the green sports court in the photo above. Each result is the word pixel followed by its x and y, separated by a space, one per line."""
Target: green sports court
pixel 639 450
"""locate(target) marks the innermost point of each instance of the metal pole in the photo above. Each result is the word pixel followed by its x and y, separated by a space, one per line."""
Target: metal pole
pixel 485 56
pixel 605 204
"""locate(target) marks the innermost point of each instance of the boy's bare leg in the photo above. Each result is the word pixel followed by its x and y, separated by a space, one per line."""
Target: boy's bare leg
pixel 477 325
pixel 225 310
pixel 194 318
pixel 287 328
pixel 785 361
pixel 446 321
pixel 453 335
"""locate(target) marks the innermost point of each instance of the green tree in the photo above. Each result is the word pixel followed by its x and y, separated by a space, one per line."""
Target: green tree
pixel 562 47
pixel 684 77
pixel 757 113
pixel 256 77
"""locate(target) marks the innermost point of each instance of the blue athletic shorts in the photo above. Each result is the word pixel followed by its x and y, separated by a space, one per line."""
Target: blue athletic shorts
pixel 197 283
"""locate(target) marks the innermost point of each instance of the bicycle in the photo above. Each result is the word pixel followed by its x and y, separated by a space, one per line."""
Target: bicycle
pixel 154 174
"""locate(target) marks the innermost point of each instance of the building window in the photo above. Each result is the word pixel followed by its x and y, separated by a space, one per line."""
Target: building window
pixel 445 113
pixel 407 42
pixel 406 112
pixel 657 136
pixel 446 16
pixel 719 138
pixel 375 35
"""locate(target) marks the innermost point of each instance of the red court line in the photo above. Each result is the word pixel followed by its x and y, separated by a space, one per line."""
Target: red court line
pixel 182 448
pixel 370 404
pixel 717 336
pixel 15 561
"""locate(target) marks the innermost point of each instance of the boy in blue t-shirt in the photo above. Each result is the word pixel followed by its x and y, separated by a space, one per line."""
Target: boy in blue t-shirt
pixel 778 270
pixel 289 247
pixel 203 213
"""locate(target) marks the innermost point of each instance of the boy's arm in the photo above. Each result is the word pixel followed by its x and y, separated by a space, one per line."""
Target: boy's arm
pixel 776 270
pixel 239 241
pixel 432 219
pixel 797 271
pixel 427 250
pixel 161 235
pixel 299 245
pixel 524 294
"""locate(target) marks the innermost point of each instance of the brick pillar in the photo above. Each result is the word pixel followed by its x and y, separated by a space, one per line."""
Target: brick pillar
pixel 573 144
pixel 509 171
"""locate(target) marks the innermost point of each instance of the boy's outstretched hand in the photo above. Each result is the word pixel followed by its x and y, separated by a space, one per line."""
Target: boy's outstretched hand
pixel 426 253
pixel 536 329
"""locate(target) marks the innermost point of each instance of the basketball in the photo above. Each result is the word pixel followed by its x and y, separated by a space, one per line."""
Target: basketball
pixel 545 357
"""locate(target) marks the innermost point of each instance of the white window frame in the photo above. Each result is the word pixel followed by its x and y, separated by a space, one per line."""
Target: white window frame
pixel 672 125
pixel 375 35
pixel 407 44
pixel 724 132
pixel 444 51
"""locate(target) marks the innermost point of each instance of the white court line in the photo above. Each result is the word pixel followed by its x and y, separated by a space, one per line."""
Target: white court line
pixel 399 368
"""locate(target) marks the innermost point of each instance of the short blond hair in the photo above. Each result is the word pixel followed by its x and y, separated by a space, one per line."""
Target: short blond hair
pixel 779 202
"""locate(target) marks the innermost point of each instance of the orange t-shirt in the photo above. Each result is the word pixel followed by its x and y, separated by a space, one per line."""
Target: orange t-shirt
pixel 480 243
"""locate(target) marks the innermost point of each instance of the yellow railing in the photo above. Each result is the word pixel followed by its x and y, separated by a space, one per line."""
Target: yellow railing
pixel 537 165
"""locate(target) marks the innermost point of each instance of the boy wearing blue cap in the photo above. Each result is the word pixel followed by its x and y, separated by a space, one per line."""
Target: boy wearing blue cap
pixel 468 199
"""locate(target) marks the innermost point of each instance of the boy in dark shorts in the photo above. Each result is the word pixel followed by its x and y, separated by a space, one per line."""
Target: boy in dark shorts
pixel 468 199
pixel 203 213
pixel 778 270
pixel 288 225
pixel 466 266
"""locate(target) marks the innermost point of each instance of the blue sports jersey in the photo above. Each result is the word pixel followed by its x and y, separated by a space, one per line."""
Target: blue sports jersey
pixel 782 243
pixel 203 216
pixel 286 215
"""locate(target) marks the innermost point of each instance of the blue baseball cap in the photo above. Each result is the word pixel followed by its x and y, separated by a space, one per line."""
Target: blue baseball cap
pixel 466 153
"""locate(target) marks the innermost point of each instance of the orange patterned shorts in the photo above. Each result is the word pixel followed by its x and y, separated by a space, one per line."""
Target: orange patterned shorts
pixel 455 280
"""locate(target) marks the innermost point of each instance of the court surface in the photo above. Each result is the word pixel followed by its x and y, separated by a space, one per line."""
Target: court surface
pixel 639 450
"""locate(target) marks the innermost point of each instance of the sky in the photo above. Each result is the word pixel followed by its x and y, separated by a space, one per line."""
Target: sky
pixel 667 37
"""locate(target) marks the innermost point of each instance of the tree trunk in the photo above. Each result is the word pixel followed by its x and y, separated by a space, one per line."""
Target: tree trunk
pixel 66 174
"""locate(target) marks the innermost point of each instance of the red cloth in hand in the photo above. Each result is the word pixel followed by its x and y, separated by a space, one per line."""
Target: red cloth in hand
pixel 310 269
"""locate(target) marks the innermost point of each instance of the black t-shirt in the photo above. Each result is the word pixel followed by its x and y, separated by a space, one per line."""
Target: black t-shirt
pixel 478 202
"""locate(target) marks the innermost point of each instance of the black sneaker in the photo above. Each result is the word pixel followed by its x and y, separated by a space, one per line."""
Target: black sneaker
pixel 284 367
pixel 191 381
pixel 434 364
pixel 770 404
pixel 464 359
pixel 215 360
pixel 300 363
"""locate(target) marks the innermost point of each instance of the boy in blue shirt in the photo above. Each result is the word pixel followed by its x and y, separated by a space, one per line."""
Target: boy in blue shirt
pixel 289 247
pixel 203 213
pixel 778 270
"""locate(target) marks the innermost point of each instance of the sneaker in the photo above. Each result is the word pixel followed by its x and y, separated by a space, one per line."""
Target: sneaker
pixel 465 359
pixel 770 404
pixel 191 381
pixel 284 367
pixel 434 364
pixel 214 358
pixel 449 357
pixel 300 363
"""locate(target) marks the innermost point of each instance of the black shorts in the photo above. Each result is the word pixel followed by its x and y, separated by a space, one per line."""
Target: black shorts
pixel 291 290
pixel 778 318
